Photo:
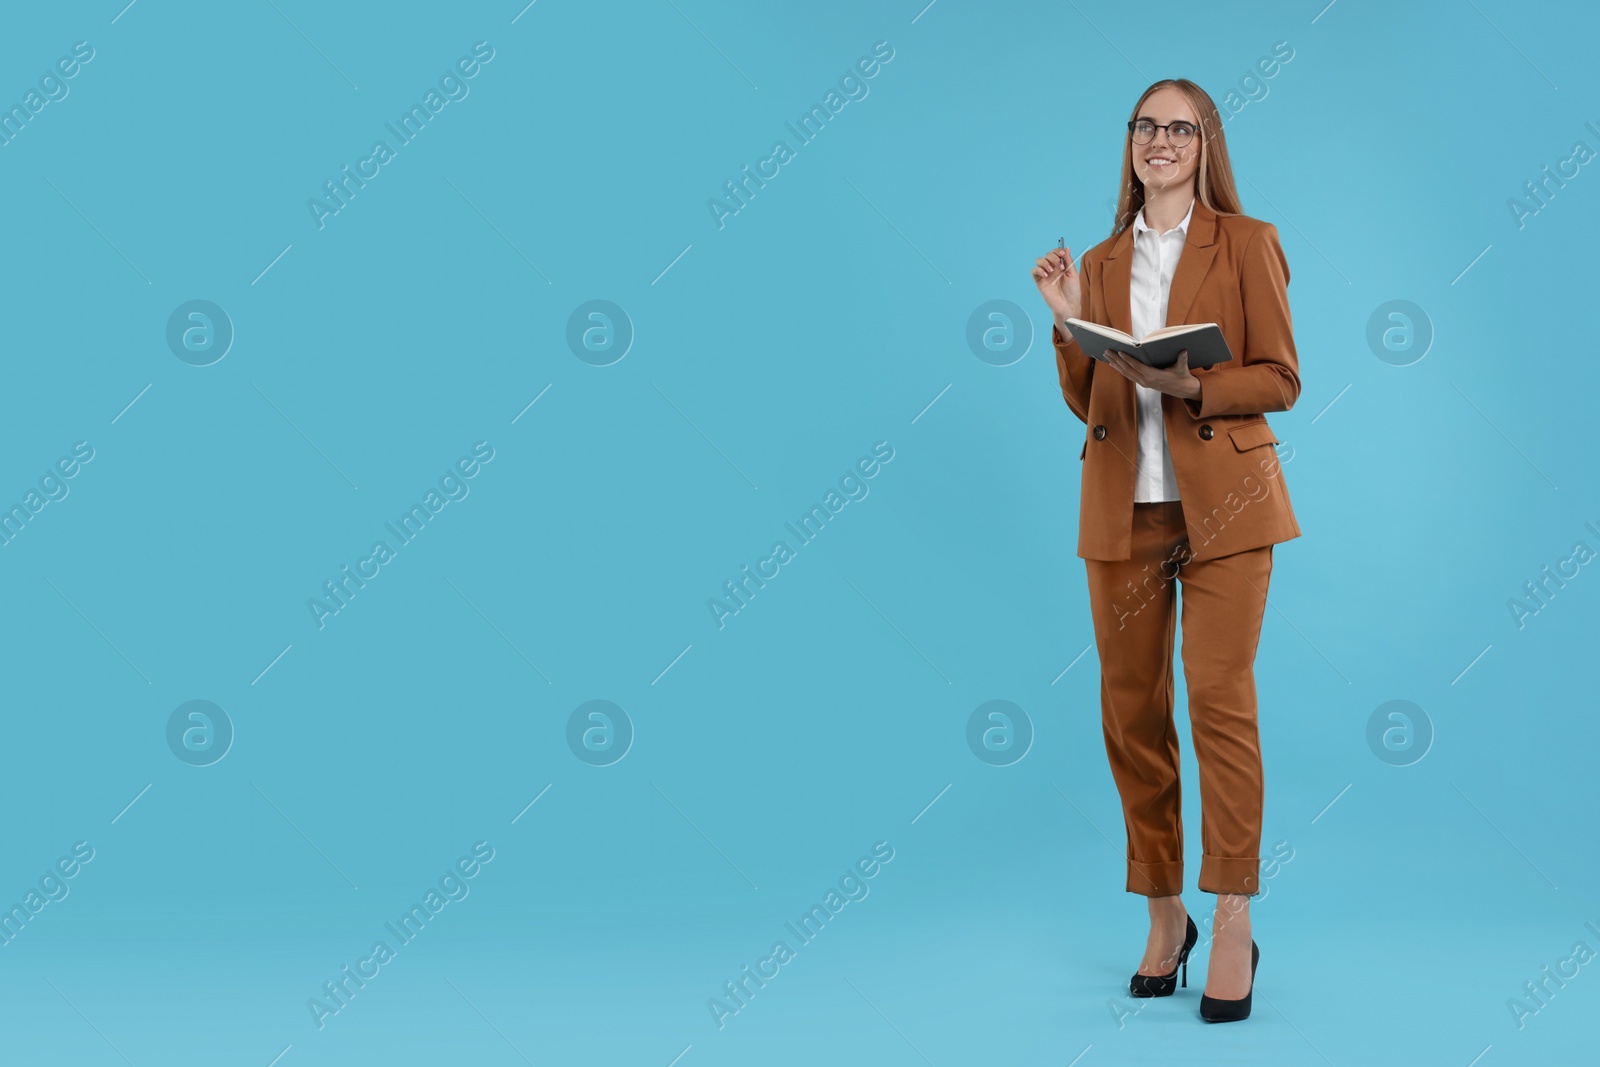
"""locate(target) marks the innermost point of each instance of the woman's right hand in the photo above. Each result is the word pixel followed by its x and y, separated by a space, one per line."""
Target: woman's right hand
pixel 1057 280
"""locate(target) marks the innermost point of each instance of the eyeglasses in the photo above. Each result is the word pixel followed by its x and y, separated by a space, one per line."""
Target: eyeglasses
pixel 1144 131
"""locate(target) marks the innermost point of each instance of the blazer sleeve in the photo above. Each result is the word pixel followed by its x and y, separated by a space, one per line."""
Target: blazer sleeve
pixel 1075 365
pixel 1267 375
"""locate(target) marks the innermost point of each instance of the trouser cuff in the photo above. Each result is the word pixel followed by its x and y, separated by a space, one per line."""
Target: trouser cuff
pixel 1230 874
pixel 1155 879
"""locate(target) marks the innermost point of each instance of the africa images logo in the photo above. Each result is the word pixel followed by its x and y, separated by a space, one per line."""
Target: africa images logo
pixel 407 528
pixel 452 87
pixel 852 487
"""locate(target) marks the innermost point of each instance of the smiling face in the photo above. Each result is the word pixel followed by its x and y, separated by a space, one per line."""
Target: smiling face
pixel 1160 164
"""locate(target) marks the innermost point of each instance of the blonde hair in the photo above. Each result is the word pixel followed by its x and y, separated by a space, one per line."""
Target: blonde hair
pixel 1213 182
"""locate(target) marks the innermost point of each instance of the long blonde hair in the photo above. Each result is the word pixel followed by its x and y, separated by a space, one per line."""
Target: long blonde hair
pixel 1213 183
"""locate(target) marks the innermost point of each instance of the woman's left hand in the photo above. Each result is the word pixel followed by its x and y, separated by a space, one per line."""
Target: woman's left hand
pixel 1176 380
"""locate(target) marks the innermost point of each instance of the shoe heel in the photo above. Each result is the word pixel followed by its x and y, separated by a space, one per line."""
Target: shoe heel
pixel 1164 985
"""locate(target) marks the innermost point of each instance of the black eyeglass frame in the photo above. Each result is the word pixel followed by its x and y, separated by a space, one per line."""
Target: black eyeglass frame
pixel 1194 130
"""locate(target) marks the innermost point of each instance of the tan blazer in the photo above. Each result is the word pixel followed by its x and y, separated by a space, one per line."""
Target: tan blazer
pixel 1232 272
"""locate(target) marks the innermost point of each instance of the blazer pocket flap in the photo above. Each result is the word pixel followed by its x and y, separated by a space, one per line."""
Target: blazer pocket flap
pixel 1252 435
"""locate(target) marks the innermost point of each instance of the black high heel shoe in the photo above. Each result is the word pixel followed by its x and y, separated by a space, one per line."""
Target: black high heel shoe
pixel 1163 985
pixel 1213 1010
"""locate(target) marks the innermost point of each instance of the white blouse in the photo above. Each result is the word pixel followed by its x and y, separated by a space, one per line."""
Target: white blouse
pixel 1155 260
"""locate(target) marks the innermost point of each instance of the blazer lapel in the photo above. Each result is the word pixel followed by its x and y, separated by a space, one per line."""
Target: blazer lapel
pixel 1199 249
pixel 1116 277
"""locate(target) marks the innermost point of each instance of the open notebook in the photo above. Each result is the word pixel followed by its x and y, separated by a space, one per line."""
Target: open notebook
pixel 1159 348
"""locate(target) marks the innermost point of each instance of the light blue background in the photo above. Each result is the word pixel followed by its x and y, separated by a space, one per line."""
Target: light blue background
pixel 829 714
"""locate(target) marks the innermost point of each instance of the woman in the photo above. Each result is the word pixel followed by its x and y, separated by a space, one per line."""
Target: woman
pixel 1181 486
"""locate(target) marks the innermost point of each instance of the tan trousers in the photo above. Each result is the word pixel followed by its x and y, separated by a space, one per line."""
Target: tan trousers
pixel 1223 599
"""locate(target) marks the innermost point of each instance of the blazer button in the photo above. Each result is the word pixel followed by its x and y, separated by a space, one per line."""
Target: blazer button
pixel 1099 433
pixel 1205 432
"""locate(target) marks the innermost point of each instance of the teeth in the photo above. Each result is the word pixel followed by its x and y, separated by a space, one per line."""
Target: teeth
pixel 1160 162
